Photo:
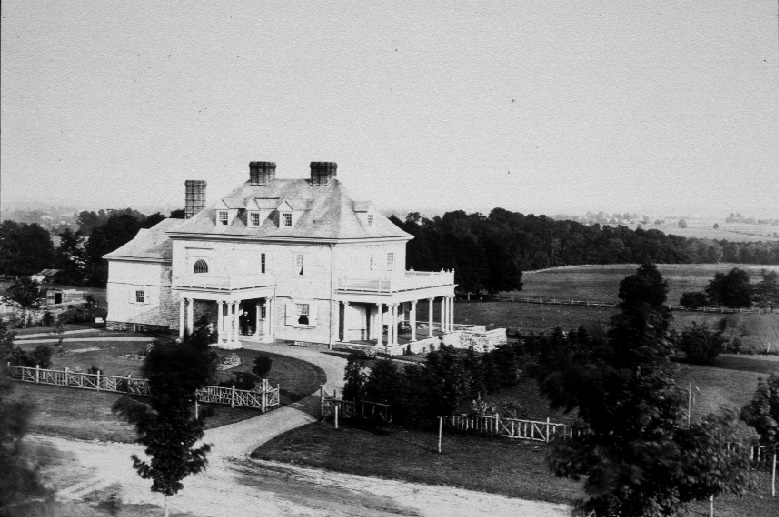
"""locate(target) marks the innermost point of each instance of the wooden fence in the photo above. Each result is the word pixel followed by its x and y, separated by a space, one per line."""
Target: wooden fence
pixel 536 430
pixel 352 409
pixel 597 303
pixel 263 397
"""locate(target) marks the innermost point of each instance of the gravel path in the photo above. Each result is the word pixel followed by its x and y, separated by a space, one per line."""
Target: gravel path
pixel 233 484
pixel 85 339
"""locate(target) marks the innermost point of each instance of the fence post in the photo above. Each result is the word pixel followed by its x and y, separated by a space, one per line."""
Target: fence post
pixel 440 432
pixel 97 384
pixel 66 377
pixel 547 429
pixel 335 409
pixel 264 395
pixel 196 412
pixel 773 477
pixel 497 422
pixel 37 369
pixel 232 399
pixel 322 401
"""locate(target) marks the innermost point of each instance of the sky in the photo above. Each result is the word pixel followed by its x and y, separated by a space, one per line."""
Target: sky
pixel 656 107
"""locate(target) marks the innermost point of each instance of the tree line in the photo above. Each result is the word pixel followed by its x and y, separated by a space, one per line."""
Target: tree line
pixel 489 253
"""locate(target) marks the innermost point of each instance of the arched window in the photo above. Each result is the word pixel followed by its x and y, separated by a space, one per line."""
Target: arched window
pixel 201 267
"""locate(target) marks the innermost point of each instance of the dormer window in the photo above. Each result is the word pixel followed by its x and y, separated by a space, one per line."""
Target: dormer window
pixel 370 220
pixel 201 267
pixel 286 220
pixel 221 217
pixel 254 219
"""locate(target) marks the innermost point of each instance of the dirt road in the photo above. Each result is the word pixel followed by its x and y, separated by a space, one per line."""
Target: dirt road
pixel 233 484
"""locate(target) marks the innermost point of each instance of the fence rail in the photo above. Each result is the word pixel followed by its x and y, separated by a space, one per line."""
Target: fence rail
pixel 541 431
pixel 263 397
pixel 351 409
pixel 600 303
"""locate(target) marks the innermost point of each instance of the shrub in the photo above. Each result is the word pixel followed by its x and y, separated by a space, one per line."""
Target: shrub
pixel 94 370
pixel 240 381
pixel 700 344
pixel 734 347
pixel 693 300
pixel 262 366
pixel 41 356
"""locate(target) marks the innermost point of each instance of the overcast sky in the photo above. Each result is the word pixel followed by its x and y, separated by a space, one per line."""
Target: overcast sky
pixel 539 107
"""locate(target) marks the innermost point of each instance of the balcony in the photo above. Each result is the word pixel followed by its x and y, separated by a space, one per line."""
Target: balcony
pixel 223 283
pixel 408 281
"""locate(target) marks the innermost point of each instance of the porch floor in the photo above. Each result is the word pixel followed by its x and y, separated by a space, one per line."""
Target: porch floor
pixel 403 339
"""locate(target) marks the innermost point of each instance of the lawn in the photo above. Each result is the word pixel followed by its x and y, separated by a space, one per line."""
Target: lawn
pixel 86 414
pixel 513 468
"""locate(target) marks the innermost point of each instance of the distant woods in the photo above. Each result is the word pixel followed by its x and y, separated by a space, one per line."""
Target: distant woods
pixel 488 253
pixel 26 249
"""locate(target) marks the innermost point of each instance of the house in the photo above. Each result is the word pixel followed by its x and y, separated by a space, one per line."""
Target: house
pixel 280 259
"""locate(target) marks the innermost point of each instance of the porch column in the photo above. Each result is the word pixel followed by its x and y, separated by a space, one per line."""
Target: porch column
pixel 266 319
pixel 430 317
pixel 394 323
pixel 413 322
pixel 443 314
pixel 378 325
pixel 257 314
pixel 182 318
pixel 236 320
pixel 272 316
pixel 190 315
pixel 220 325
pixel 451 313
pixel 343 321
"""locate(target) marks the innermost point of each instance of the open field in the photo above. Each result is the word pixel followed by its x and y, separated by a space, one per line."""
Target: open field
pixel 86 414
pixel 703 228
pixel 602 282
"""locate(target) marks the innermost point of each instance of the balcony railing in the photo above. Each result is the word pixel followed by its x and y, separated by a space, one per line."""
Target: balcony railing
pixel 228 282
pixel 410 280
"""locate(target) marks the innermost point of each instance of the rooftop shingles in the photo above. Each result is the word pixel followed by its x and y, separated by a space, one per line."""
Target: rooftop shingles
pixel 152 243
pixel 329 213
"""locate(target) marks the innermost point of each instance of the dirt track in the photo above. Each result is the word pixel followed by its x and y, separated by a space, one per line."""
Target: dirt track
pixel 233 484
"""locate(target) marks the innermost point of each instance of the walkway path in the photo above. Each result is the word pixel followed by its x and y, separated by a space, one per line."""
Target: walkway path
pixel 51 334
pixel 233 484
pixel 84 339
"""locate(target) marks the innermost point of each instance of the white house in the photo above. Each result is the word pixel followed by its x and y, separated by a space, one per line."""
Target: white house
pixel 277 258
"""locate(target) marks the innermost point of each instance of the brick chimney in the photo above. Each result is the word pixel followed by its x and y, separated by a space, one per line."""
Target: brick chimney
pixel 322 172
pixel 194 197
pixel 261 173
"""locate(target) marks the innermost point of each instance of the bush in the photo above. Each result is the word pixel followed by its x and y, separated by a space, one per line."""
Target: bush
pixel 734 347
pixel 41 356
pixel 262 366
pixel 700 344
pixel 94 370
pixel 240 381
pixel 693 300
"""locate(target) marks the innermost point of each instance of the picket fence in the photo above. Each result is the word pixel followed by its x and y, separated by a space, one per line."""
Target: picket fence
pixel 351 409
pixel 262 397
pixel 541 431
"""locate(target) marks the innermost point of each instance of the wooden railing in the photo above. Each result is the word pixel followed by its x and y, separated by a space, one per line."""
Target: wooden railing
pixel 403 282
pixel 263 397
pixel 224 281
pixel 513 427
pixel 351 409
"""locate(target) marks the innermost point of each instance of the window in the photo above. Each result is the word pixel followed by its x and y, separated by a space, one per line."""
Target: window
pixel 254 219
pixel 302 310
pixel 140 296
pixel 298 271
pixel 222 215
pixel 390 261
pixel 262 263
pixel 201 267
pixel 286 220
pixel 370 220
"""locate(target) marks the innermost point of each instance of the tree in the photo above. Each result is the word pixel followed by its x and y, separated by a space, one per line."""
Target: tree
pixel 766 291
pixel 700 344
pixel 682 223
pixel 166 426
pixel 635 458
pixel 730 290
pixel 262 365
pixel 70 257
pixel 117 231
pixel 25 293
pixel 25 249
pixel 693 300
pixel 23 492
pixel 762 412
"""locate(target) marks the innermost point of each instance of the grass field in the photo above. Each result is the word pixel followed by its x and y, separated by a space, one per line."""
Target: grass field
pixel 86 414
pixel 513 468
